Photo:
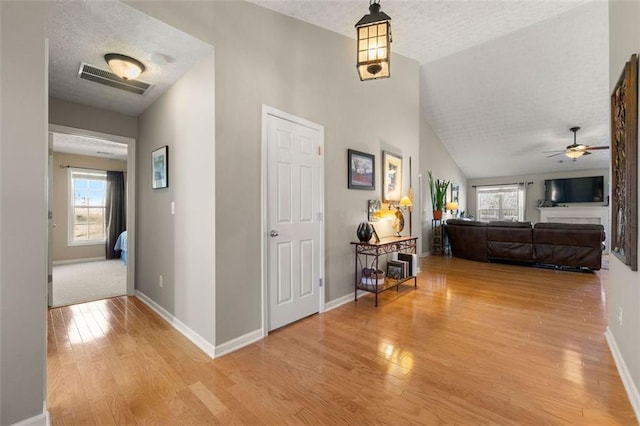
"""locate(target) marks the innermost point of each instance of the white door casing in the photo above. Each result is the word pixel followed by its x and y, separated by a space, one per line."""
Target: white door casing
pixel 293 231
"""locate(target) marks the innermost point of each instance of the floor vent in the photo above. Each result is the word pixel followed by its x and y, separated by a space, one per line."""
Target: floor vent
pixel 91 73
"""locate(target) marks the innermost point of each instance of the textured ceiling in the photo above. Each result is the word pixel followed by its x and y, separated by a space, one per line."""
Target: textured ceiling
pixel 501 81
pixel 84 31
pixel 81 145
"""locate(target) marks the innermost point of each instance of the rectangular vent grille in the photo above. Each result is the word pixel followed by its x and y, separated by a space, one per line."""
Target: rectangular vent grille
pixel 91 73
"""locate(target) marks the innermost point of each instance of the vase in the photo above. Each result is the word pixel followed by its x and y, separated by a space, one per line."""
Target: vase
pixel 364 232
pixel 437 214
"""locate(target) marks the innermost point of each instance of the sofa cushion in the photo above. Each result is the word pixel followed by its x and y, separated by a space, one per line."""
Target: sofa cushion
pixel 510 241
pixel 464 222
pixel 509 224
pixel 568 244
pixel 467 239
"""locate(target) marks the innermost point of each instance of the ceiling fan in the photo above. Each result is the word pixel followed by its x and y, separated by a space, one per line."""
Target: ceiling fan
pixel 576 150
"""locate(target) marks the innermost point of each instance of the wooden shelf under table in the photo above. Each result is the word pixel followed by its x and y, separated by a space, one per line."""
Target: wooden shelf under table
pixel 376 249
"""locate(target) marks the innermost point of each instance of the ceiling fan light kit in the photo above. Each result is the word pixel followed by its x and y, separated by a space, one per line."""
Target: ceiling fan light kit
pixel 575 150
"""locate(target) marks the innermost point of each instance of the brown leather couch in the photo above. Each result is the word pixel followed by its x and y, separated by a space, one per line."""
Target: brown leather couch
pixel 557 244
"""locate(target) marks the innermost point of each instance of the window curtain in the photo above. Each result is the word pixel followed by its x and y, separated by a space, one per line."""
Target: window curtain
pixel 522 200
pixel 115 212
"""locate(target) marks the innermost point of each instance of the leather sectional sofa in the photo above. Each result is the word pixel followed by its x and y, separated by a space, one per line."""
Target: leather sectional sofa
pixel 557 244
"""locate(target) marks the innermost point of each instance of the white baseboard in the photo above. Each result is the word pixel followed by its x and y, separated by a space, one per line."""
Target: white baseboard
pixel 41 419
pixel 84 259
pixel 627 380
pixel 342 300
pixel 185 330
pixel 238 342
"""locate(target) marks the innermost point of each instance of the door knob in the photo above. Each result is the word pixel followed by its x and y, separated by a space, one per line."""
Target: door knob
pixel 274 233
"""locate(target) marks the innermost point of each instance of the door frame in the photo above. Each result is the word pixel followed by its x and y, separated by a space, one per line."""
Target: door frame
pixel 131 192
pixel 266 112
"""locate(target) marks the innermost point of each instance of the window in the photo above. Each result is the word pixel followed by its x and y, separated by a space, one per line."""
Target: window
pixel 87 195
pixel 500 202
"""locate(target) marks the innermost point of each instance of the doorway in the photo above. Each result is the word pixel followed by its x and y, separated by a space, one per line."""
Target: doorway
pixel 293 225
pixel 78 269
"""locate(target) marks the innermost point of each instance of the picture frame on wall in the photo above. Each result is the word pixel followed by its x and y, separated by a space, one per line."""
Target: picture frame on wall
pixel 391 177
pixel 160 168
pixel 362 170
pixel 624 166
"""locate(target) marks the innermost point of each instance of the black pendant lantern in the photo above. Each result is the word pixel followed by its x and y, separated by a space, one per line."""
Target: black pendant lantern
pixel 374 43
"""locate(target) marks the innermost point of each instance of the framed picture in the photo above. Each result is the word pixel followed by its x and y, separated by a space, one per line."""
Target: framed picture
pixel 362 170
pixel 395 270
pixel 624 166
pixel 391 177
pixel 455 193
pixel 160 168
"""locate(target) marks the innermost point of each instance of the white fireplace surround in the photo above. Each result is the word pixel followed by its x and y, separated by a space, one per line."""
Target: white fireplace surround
pixel 591 214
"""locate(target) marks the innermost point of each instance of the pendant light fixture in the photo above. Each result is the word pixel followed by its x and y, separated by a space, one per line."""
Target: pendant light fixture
pixel 374 43
pixel 124 66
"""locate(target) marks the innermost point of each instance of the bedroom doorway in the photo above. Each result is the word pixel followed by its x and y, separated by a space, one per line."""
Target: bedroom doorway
pixel 91 216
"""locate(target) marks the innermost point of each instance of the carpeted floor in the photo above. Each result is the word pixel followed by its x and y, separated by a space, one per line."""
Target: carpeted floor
pixel 83 282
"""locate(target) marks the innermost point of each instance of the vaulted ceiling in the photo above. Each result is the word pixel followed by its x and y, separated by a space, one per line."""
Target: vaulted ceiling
pixel 502 81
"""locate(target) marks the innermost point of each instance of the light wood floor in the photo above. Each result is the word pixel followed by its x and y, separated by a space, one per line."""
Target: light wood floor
pixel 476 343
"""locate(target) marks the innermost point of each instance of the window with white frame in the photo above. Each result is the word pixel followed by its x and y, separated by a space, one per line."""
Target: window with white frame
pixel 87 195
pixel 500 202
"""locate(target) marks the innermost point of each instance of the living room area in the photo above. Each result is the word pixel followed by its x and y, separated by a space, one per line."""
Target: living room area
pixel 489 108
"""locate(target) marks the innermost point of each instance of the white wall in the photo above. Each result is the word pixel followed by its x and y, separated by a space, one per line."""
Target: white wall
pixel 266 58
pixel 23 211
pixel 434 157
pixel 624 289
pixel 180 247
pixel 535 191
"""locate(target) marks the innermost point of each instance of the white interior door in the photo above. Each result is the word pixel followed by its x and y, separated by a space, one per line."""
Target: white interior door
pixel 50 223
pixel 293 221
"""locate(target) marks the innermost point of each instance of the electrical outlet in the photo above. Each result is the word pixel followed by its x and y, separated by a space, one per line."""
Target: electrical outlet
pixel 161 281
pixel 620 314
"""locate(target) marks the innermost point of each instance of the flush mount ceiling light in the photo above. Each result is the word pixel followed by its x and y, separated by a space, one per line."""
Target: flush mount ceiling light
pixel 124 66
pixel 374 43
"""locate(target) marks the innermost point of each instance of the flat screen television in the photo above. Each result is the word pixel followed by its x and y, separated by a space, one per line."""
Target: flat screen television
pixel 575 190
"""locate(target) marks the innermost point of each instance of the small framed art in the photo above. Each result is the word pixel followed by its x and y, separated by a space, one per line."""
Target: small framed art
pixel 362 170
pixel 391 177
pixel 160 168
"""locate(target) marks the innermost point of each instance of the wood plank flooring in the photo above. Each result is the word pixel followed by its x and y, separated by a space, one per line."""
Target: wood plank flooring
pixel 476 343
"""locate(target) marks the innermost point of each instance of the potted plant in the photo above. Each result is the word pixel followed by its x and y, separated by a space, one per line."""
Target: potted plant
pixel 438 189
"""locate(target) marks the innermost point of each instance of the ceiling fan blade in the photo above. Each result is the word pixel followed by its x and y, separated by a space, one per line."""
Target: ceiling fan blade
pixel 553 155
pixel 555 150
pixel 586 153
pixel 592 148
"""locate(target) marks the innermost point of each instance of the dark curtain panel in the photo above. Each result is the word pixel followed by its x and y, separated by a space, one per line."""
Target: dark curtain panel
pixel 114 211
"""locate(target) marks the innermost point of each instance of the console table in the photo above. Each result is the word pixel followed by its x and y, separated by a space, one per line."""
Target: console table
pixel 367 255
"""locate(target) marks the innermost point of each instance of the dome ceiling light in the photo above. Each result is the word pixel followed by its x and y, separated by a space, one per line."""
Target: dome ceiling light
pixel 124 66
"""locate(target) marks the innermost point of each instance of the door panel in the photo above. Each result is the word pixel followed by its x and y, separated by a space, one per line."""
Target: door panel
pixel 293 207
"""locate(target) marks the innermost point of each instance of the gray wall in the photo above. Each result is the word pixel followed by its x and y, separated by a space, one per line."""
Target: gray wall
pixel 266 58
pixel 624 290
pixel 71 114
pixel 23 211
pixel 180 247
pixel 434 157
pixel 535 191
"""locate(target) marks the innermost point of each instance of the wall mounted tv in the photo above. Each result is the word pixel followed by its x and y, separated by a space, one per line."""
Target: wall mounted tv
pixel 575 190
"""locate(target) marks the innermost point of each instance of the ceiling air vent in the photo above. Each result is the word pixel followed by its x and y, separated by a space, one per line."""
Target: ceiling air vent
pixel 91 73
